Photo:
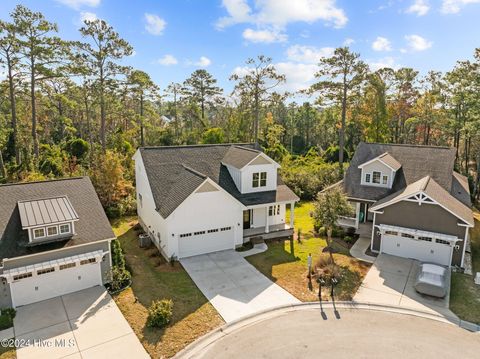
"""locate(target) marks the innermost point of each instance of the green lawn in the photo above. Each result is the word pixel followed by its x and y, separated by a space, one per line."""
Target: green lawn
pixel 289 269
pixel 465 294
pixel 152 279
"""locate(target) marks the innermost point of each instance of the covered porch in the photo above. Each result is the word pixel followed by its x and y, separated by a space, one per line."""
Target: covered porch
pixel 268 221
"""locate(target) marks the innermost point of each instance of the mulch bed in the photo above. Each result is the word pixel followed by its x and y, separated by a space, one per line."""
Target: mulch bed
pixel 369 252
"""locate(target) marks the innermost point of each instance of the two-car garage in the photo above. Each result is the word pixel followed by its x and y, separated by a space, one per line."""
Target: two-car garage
pixel 421 245
pixel 50 279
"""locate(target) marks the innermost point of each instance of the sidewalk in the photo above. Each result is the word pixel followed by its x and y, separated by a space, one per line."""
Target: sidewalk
pixel 359 248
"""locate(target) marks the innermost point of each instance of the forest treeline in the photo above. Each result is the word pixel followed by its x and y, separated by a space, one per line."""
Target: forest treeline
pixel 70 108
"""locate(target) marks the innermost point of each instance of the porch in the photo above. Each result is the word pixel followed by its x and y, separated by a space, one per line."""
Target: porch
pixel 274 231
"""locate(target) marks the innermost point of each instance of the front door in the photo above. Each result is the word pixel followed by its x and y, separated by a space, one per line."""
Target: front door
pixel 246 219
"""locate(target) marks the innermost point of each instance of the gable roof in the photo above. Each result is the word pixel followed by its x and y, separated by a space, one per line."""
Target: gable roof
pixel 92 225
pixel 433 190
pixel 416 163
pixel 174 172
pixel 386 159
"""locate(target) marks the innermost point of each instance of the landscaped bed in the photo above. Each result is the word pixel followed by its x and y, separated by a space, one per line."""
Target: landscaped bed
pixel 464 293
pixel 153 278
pixel 289 269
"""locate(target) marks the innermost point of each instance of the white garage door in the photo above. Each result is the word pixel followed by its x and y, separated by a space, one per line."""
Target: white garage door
pixel 423 247
pixel 41 284
pixel 205 241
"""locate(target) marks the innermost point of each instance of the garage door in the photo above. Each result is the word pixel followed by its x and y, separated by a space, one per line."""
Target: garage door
pixel 423 247
pixel 48 282
pixel 205 241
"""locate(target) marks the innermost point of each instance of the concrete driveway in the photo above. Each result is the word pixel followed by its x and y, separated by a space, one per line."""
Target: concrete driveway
pixel 390 281
pixel 233 286
pixel 84 324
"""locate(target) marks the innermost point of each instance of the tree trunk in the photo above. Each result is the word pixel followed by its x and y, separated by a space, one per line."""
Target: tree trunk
pixel 13 110
pixel 103 139
pixel 341 132
pixel 142 138
pixel 3 172
pixel 257 116
pixel 36 151
pixel 329 243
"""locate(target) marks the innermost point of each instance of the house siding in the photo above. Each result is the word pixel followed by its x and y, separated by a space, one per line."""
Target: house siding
pixel 427 217
pixel 379 167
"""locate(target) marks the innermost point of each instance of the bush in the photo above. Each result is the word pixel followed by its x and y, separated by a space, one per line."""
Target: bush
pixel 350 231
pixel 348 239
pixel 160 313
pixel 118 258
pixel 6 318
pixel 120 278
pixel 338 232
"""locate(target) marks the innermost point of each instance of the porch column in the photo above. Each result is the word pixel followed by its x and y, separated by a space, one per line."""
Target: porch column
pixel 292 213
pixel 357 214
pixel 266 220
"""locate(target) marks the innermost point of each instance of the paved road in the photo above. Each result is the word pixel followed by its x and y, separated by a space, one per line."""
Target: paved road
pixel 233 286
pixel 357 334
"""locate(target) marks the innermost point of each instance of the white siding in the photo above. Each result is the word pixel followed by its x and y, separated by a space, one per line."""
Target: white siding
pixel 153 222
pixel 258 219
pixel 236 176
pixel 379 167
pixel 247 175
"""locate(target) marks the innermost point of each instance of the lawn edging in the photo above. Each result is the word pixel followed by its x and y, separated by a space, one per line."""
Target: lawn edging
pixel 203 342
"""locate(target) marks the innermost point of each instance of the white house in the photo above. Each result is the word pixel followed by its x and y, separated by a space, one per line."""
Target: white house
pixel 198 199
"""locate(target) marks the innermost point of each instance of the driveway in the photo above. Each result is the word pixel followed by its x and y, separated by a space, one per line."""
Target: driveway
pixel 390 281
pixel 233 286
pixel 84 324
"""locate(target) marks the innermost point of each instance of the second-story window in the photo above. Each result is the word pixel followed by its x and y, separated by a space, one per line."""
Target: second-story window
pixel 367 177
pixel 376 177
pixel 259 179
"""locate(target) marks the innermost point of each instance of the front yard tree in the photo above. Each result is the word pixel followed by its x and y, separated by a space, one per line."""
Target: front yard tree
pixel 99 57
pixel 254 83
pixel 200 88
pixel 340 80
pixel 41 53
pixel 328 206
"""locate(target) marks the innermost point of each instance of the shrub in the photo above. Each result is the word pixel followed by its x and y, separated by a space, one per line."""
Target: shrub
pixel 327 269
pixel 160 313
pixel 6 318
pixel 338 232
pixel 348 239
pixel 118 258
pixel 350 231
pixel 119 279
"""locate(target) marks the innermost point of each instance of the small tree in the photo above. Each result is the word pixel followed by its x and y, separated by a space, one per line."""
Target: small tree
pixel 327 208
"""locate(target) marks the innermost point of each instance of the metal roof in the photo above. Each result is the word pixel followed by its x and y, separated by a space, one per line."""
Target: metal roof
pixel 41 212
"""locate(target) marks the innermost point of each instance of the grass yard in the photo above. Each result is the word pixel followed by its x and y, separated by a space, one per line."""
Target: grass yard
pixel 152 279
pixel 465 294
pixel 7 353
pixel 289 269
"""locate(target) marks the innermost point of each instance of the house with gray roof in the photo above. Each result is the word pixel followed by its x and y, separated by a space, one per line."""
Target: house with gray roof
pixel 54 239
pixel 204 198
pixel 417 204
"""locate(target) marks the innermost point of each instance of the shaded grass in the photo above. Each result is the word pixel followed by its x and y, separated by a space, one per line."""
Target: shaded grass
pixel 287 266
pixel 153 278
pixel 7 353
pixel 465 294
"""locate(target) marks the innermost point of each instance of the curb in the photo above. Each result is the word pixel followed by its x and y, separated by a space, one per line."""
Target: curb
pixel 194 348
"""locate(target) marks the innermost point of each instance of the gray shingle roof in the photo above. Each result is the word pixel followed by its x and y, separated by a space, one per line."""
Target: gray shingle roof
pixel 174 172
pixel 92 225
pixel 417 162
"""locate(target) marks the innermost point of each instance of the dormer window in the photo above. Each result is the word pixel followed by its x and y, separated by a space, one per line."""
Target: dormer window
pixel 65 228
pixel 52 231
pixel 376 177
pixel 367 177
pixel 384 180
pixel 259 179
pixel 39 233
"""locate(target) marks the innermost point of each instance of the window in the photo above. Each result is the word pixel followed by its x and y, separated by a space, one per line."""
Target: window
pixel 278 209
pixel 263 179
pixel 441 241
pixel 255 180
pixel 22 276
pixel 67 265
pixel 367 177
pixel 212 230
pixel 87 261
pixel 225 229
pixel 270 211
pixel 39 233
pixel 45 271
pixel 274 210
pixel 64 228
pixel 52 231
pixel 376 177
pixel 391 233
pixel 198 233
pixel 406 235
pixel 427 239
pixel 140 199
pixel 385 180
pixel 185 235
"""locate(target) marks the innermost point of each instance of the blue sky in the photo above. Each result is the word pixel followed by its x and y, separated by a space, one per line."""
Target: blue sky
pixel 173 38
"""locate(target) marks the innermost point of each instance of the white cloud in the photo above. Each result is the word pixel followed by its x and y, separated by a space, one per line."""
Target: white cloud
pixel 279 13
pixel 382 63
pixel 265 36
pixel 454 6
pixel 77 4
pixel 154 24
pixel 167 60
pixel 419 7
pixel 85 15
pixel 203 61
pixel 308 54
pixel 382 44
pixel 417 43
pixel 348 41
